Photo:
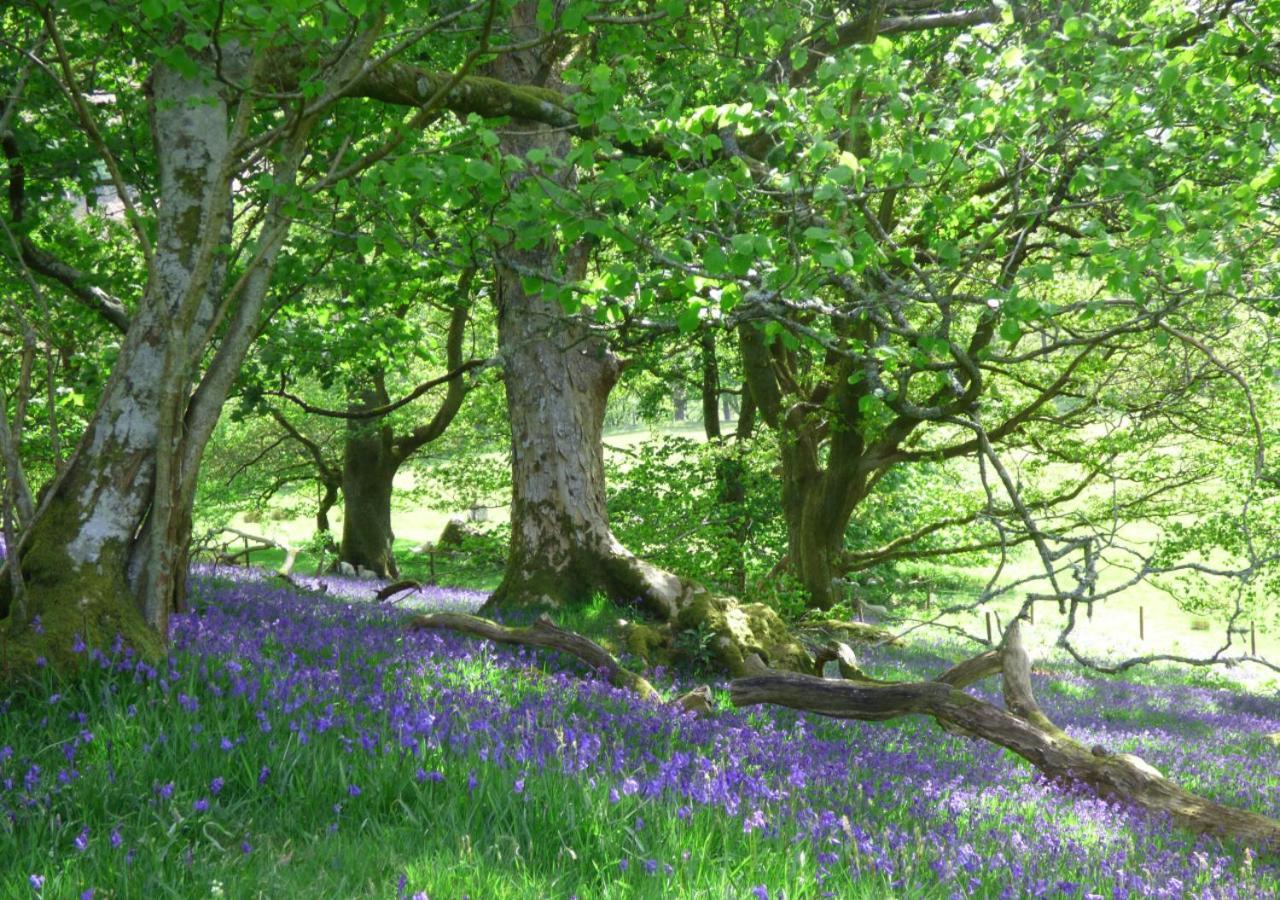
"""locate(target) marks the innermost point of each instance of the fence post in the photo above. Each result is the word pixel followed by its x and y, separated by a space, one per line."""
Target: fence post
pixel 1142 625
pixel 989 640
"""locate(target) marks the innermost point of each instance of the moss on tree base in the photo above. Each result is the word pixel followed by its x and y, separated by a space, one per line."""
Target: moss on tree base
pixel 736 629
pixel 67 606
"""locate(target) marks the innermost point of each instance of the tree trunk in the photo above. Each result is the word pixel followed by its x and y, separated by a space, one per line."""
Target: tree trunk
pixel 679 401
pixel 327 502
pixel 558 376
pixel 367 539
pixel 819 494
pixel 557 383
pixel 76 556
pixel 106 552
pixel 369 467
pixel 814 540
pixel 710 387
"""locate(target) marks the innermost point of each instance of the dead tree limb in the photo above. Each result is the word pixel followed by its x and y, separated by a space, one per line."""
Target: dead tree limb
pixel 397 587
pixel 260 543
pixel 1021 727
pixel 542 633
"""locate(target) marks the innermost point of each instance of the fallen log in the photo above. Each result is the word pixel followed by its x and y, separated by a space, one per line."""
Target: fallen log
pixel 1021 727
pixel 397 587
pixel 260 543
pixel 542 633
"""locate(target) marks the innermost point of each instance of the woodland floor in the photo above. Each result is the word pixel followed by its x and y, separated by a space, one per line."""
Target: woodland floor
pixel 302 744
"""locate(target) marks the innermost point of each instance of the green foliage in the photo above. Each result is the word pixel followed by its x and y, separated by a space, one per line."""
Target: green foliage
pixel 667 503
pixel 693 646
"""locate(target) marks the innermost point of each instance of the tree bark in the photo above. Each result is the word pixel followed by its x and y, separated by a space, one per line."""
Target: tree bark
pixel 76 555
pixel 820 490
pixel 368 469
pixel 558 375
pixel 1021 727
pixel 710 386
pixel 106 552
pixel 328 500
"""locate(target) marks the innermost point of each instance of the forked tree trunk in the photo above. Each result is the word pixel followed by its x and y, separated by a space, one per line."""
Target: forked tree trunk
pixel 373 453
pixel 76 556
pixel 106 552
pixel 822 485
pixel 557 378
pixel 368 470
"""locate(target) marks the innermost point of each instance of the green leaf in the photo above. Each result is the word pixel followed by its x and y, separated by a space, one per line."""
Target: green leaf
pixel 881 48
pixel 688 319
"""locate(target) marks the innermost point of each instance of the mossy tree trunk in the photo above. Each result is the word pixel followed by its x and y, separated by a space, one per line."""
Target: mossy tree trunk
pixel 76 557
pixel 558 376
pixel 105 553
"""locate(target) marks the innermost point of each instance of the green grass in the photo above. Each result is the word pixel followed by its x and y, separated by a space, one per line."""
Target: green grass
pixel 481 830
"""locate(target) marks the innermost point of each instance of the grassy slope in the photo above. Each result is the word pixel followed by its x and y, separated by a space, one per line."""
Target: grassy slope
pixel 469 770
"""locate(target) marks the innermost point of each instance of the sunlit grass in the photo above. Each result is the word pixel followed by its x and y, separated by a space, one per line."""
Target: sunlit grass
pixel 296 749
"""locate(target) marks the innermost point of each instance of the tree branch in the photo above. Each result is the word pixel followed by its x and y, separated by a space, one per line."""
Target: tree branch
pixel 1021 727
pixel 40 261
pixel 542 633
pixel 375 412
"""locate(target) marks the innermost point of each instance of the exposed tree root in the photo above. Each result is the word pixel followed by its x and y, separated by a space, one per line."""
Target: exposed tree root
pixel 729 629
pixel 545 633
pixel 1021 727
pixel 542 633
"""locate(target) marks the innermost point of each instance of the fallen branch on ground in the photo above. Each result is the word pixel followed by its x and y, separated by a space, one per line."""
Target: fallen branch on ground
pixel 546 634
pixel 396 588
pixel 1021 727
pixel 224 554
pixel 542 633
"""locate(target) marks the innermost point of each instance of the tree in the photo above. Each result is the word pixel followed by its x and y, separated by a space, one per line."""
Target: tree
pixel 931 241
pixel 373 452
pixel 234 102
